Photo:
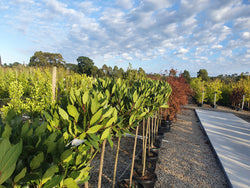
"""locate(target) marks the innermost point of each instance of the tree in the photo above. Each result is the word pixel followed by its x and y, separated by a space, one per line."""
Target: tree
pixel 46 59
pixel 71 66
pixel 186 75
pixel 85 65
pixel 94 71
pixel 203 74
pixel 172 72
pixel 116 72
pixel 100 73
pixel 141 73
pixel 105 69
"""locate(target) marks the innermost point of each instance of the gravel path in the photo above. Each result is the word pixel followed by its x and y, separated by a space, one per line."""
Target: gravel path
pixel 187 160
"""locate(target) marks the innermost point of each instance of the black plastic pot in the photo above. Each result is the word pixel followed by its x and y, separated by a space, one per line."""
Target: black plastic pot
pixel 125 184
pixel 152 156
pixel 161 132
pixel 157 143
pixel 163 123
pixel 150 165
pixel 147 181
pixel 155 150
pixel 159 137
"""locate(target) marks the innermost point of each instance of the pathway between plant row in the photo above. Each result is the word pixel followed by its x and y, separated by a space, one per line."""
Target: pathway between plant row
pixel 186 158
pixel 230 138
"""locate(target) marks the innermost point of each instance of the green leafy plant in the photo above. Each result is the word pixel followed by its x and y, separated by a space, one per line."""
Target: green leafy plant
pixel 43 157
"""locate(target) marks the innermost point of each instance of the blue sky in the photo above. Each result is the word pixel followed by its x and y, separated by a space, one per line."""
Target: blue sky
pixel 156 35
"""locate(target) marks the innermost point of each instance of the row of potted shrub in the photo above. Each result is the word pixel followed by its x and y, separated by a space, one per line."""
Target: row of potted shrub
pixel 58 150
pixel 143 167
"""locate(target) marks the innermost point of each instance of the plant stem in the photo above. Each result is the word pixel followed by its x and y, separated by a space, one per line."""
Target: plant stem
pixel 152 133
pixel 101 164
pixel 133 158
pixel 155 125
pixel 145 149
pixel 86 184
pixel 116 160
pixel 143 138
pixel 149 137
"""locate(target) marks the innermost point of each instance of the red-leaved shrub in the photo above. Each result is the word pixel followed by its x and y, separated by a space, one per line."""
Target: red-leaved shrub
pixel 178 97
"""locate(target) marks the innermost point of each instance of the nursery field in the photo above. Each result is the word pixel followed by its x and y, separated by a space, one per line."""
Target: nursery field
pixel 64 129
pixel 54 130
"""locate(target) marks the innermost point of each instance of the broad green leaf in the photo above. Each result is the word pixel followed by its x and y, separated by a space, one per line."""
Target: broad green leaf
pixel 82 136
pixel 70 129
pixel 6 132
pixel 164 106
pixel 66 155
pixel 51 137
pixel 73 112
pixel 5 146
pixel 72 96
pixel 53 182
pixel 51 146
pixel 135 96
pixel 38 142
pixel 9 158
pixel 20 175
pixel 36 161
pixel 25 128
pixel 83 176
pixel 78 159
pixel 110 121
pixel 108 112
pixel 131 119
pixel 70 183
pixel 65 135
pixel 94 129
pixel 63 114
pixel 93 143
pixel 143 114
pixel 41 129
pixel 94 105
pixel 110 141
pixel 49 174
pixel 105 134
pixel 113 89
pixel 47 116
pixel 107 93
pixel 96 117
pixel 85 97
pixel 94 137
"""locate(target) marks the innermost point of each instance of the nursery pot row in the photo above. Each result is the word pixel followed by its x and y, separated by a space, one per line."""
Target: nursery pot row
pixel 148 178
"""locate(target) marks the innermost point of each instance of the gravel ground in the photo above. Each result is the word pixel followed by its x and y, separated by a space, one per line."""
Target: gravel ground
pixel 187 160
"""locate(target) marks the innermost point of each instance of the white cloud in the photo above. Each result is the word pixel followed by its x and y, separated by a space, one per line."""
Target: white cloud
pixel 24 1
pixel 124 4
pixel 217 46
pixel 182 50
pixel 87 6
pixel 126 56
pixel 246 35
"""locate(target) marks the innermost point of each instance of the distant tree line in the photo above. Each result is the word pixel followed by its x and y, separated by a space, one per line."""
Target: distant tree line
pixel 84 65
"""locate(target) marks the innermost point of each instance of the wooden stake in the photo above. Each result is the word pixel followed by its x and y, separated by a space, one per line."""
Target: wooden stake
pixel 101 164
pixel 116 160
pixel 54 83
pixel 133 158
pixel 143 138
pixel 145 148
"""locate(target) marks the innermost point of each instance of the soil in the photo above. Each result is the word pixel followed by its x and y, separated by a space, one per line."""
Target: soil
pixel 185 157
